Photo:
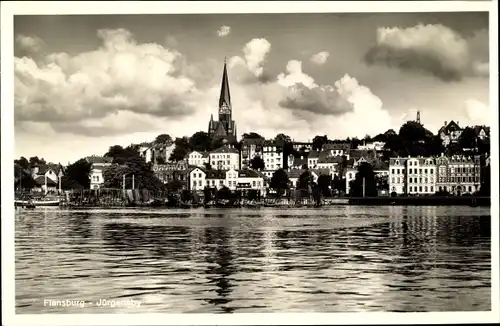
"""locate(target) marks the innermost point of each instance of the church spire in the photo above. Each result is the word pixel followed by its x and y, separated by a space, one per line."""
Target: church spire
pixel 225 96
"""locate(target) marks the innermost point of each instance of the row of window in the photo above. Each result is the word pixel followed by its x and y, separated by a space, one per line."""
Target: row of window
pixel 231 183
pixel 420 189
pixel 419 180
pixel 419 171
pixel 459 179
pixel 221 156
pixel 415 163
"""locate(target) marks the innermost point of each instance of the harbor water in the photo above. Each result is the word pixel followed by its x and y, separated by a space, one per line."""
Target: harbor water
pixel 332 259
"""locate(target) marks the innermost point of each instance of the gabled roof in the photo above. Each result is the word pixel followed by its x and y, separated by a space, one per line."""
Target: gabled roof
pixel 192 168
pixel 451 126
pixel 215 174
pixel 225 94
pixel 40 180
pixel 320 171
pixel 380 165
pixel 293 174
pixel 249 173
pixel 225 149
pixel 326 157
pixel 367 154
pixel 313 155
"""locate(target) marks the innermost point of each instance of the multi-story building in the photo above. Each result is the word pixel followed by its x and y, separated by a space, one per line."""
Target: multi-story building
pixel 215 178
pixel 302 146
pixel 156 153
pixel 250 147
pixel 312 159
pixel 96 175
pixel 421 175
pixel 379 168
pixel 376 145
pixel 197 178
pixel 47 177
pixel 272 156
pixel 199 159
pixel 337 149
pixel 331 162
pixel 397 175
pixel 296 162
pixel 225 158
pixel 251 179
pixel 458 174
pixel 173 171
pixel 450 132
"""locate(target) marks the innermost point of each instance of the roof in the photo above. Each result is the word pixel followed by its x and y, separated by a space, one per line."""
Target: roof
pixel 359 153
pixel 321 171
pixel 326 157
pixel 225 149
pixel 337 146
pixel 299 161
pixel 451 126
pixel 215 174
pixel 402 160
pixel 191 169
pixel 293 174
pixel 99 159
pixel 313 154
pixel 225 94
pixel 43 168
pixel 249 173
pixel 380 165
pixel 40 180
pixel 478 129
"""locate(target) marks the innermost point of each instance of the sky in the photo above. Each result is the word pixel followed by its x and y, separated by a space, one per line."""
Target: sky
pixel 84 83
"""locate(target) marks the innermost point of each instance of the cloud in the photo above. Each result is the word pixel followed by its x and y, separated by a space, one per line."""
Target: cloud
pixel 320 58
pixel 481 68
pixel 434 49
pixel 477 111
pixel 224 31
pixel 120 76
pixel 251 67
pixel 29 43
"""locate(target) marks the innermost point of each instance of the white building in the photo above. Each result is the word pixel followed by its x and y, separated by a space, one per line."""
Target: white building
pixel 397 175
pixel 337 149
pixel 312 159
pixel 330 161
pixel 251 179
pixel 199 159
pixel 197 178
pixel 249 149
pixel 272 156
pixel 99 164
pixel 225 158
pixel 47 177
pixel 156 152
pixel 376 145
pixel 450 132
pixel 421 176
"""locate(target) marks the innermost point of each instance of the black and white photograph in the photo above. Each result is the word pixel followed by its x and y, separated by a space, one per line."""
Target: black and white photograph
pixel 222 162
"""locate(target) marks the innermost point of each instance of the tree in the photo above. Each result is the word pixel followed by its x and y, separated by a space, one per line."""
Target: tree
pixel 224 193
pixel 23 163
pixel 257 163
pixel 200 141
pixel 35 160
pixel 163 139
pixel 412 131
pixel 23 178
pixel 182 148
pixel 208 194
pixel 318 142
pixel 365 171
pixel 120 155
pixel 434 146
pixel 382 182
pixel 77 175
pixel 305 182
pixel 339 184
pixel 282 139
pixel 252 135
pixel 279 181
pixel 467 139
pixel 324 183
pixel 186 195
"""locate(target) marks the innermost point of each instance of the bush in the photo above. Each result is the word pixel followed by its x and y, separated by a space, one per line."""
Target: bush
pixel 394 194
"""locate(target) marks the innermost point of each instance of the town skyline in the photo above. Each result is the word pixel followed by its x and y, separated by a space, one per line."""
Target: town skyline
pixel 330 85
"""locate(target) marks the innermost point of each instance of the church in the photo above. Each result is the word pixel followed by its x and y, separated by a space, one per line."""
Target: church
pixel 225 128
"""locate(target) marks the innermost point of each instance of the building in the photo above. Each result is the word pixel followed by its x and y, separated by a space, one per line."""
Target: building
pixel 156 153
pixel 250 147
pixel 224 158
pixel 272 156
pixel 47 177
pixel 225 127
pixel 250 179
pixel 331 162
pixel 337 149
pixel 421 175
pixel 302 146
pixel 197 178
pixel 482 132
pixel 458 174
pixel 449 132
pixel 312 159
pixel 381 169
pixel 397 175
pixel 296 162
pixel 96 175
pixel 376 145
pixel 173 172
pixel 215 178
pixel 196 158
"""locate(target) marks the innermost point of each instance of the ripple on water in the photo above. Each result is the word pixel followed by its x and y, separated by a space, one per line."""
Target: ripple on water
pixel 343 258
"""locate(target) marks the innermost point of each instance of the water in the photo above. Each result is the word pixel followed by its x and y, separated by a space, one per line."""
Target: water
pixel 337 259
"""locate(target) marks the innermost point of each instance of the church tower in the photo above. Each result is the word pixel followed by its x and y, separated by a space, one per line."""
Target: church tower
pixel 225 127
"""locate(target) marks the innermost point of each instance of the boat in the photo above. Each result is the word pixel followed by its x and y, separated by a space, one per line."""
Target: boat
pixel 32 203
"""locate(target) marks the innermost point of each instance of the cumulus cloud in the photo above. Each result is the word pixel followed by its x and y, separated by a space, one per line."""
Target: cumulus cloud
pixel 29 43
pixel 120 76
pixel 481 68
pixel 477 111
pixel 434 49
pixel 224 31
pixel 252 65
pixel 320 58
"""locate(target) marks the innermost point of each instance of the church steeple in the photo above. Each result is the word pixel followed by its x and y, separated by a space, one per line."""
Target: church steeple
pixel 225 95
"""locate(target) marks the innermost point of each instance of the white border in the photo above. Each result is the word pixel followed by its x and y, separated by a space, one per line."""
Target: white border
pixel 9 9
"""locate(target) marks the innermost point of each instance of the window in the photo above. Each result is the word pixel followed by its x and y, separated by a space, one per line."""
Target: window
pixel 420 180
pixel 426 180
pixel 194 183
pixel 399 179
pixel 432 189
pixel 411 180
pixel 392 171
pixel 425 171
pixel 425 188
pixel 410 163
pixel 420 188
pixel 392 180
pixel 410 188
pixel 410 172
pixel 253 183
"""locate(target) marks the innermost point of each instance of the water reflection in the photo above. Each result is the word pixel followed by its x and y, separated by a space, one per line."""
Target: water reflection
pixel 337 259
